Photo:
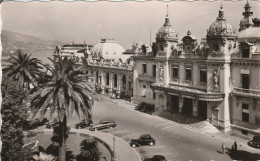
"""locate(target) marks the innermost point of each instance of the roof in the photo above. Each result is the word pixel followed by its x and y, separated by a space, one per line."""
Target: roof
pixel 250 33
pixel 108 49
pixel 77 45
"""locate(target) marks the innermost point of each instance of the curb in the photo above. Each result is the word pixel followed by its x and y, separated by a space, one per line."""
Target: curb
pixel 121 141
pixel 100 140
pixel 177 124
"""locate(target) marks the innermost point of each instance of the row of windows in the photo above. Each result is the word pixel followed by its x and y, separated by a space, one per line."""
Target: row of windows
pixel 153 69
pixel 188 74
pixel 175 73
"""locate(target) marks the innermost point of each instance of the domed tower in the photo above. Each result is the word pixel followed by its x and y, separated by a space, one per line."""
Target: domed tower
pixel 166 39
pixel 221 39
pixel 247 21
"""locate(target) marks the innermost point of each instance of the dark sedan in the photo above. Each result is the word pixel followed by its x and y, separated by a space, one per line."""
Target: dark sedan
pixel 255 142
pixel 103 125
pixel 82 124
pixel 145 139
pixel 156 158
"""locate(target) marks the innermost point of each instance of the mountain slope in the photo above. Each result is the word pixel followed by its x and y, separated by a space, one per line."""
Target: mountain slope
pixel 11 41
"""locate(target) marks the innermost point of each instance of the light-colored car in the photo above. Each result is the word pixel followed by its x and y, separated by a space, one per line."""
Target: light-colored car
pixel 103 125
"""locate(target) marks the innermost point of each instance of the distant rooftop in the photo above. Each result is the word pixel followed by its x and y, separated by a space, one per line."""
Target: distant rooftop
pixel 78 45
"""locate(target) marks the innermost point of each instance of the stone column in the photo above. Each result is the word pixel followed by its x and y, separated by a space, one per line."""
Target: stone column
pixel 180 104
pixel 195 108
pixel 118 90
pixel 103 83
pixel 110 88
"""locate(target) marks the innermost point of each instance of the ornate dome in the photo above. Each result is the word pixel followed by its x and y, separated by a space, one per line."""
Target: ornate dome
pixel 166 32
pixel 108 49
pixel 220 27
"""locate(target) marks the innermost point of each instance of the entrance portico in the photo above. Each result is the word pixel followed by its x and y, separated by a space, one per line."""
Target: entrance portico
pixel 191 102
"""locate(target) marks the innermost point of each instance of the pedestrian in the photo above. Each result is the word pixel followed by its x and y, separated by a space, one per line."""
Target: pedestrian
pixel 232 150
pixel 223 148
pixel 235 146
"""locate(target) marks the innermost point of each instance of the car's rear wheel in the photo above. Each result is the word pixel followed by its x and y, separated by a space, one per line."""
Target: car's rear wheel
pixel 151 144
pixel 133 145
pixel 79 127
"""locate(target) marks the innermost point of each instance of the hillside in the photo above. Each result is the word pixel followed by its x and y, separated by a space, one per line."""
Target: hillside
pixel 11 41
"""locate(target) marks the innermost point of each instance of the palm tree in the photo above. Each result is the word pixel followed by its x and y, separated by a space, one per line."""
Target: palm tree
pixel 89 150
pixel 23 69
pixel 65 91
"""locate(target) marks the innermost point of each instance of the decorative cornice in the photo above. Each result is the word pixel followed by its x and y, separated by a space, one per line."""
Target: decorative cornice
pixel 245 62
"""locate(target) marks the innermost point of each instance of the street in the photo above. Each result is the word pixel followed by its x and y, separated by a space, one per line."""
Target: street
pixel 174 142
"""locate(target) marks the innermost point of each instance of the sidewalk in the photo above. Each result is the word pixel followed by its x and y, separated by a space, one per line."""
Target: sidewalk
pixel 229 137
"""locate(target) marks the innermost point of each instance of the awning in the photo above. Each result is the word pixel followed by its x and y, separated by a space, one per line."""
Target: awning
pixel 191 92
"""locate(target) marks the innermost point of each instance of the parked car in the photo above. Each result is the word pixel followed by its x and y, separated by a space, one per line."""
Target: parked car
pixel 51 124
pixel 103 125
pixel 156 158
pixel 145 139
pixel 145 107
pixel 82 124
pixel 255 142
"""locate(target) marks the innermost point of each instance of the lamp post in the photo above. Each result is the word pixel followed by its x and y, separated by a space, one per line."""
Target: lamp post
pixel 114 143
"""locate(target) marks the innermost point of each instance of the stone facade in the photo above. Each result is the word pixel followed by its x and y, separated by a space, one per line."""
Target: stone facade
pixel 203 79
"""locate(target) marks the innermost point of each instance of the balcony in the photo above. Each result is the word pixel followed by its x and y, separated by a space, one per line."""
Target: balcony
pixel 175 80
pixel 202 84
pixel 189 82
pixel 144 77
pixel 246 92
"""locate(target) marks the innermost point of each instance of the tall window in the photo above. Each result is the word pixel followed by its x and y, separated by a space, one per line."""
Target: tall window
pixel 144 68
pixel 245 81
pixel 175 72
pixel 245 53
pixel 154 95
pixel 97 76
pixel 203 75
pixel 245 112
pixel 188 74
pixel 115 80
pixel 154 70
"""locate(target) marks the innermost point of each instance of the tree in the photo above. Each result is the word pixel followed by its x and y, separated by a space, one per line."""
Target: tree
pixel 89 150
pixel 23 69
pixel 65 91
pixel 14 114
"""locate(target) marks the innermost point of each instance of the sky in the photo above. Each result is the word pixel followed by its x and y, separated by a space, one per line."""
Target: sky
pixel 126 22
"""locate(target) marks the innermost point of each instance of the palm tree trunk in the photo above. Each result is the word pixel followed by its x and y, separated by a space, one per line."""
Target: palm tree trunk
pixel 62 150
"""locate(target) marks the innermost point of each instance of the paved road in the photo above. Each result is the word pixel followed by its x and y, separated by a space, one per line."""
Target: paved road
pixel 174 142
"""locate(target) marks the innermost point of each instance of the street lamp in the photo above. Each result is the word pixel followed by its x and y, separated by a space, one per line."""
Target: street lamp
pixel 114 143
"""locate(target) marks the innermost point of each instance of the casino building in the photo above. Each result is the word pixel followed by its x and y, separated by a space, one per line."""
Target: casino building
pixel 217 79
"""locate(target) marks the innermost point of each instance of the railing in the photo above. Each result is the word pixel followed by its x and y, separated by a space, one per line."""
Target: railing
pixel 174 80
pixel 119 66
pixel 187 82
pixel 202 84
pixel 147 78
pixel 247 91
pixel 246 124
